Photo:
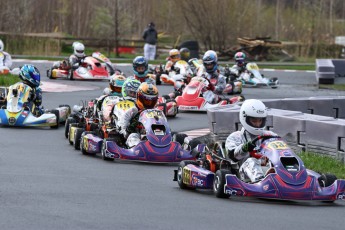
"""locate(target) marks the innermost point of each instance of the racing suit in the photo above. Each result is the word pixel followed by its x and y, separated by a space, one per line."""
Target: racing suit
pixel 75 61
pixel 5 60
pixel 238 70
pixel 128 126
pixel 147 79
pixel 35 100
pixel 250 167
pixel 217 84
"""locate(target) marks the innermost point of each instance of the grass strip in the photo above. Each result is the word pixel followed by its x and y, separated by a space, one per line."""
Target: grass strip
pixel 323 164
pixel 8 79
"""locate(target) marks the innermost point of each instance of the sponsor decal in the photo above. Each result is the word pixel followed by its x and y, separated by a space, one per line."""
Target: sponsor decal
pixel 266 187
pixel 186 175
pixel 230 192
pixel 12 120
pixel 278 145
pixel 184 107
pixel 197 181
pixel 341 196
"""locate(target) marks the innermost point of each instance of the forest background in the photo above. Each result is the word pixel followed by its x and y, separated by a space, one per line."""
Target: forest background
pixel 307 27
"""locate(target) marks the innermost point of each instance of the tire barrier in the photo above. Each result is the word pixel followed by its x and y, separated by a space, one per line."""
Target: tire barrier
pixel 321 133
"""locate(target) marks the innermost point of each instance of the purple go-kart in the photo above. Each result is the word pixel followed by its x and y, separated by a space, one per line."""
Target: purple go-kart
pixel 157 145
pixel 286 177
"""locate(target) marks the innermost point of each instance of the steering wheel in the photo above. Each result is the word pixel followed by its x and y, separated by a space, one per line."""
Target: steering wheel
pixel 264 137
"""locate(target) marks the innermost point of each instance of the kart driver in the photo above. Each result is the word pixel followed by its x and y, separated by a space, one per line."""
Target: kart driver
pixel 30 76
pixel 240 64
pixel 217 82
pixel 253 114
pixel 115 89
pixel 146 98
pixel 5 58
pixel 141 69
pixel 174 56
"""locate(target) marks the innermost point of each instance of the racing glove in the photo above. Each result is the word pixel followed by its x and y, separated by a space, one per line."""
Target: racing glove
pixel 248 146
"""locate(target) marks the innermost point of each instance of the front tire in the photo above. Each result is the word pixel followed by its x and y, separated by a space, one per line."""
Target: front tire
pixel 104 157
pixel 326 179
pixel 57 114
pixel 219 183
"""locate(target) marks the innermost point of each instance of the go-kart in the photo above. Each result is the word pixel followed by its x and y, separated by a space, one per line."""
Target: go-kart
pixel 89 69
pixel 157 143
pixel 286 177
pixel 82 118
pixel 232 87
pixel 19 112
pixel 105 61
pixel 168 106
pixel 196 97
pixel 253 78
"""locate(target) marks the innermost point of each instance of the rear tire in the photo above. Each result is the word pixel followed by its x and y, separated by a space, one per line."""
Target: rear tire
pixel 77 138
pixel 180 174
pixel 57 114
pixel 69 132
pixel 69 121
pixel 326 179
pixel 179 137
pixel 219 183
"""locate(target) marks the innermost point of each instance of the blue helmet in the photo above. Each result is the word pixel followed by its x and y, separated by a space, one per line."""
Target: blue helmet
pixel 140 66
pixel 210 61
pixel 30 74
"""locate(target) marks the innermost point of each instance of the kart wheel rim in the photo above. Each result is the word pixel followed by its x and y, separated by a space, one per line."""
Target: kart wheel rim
pixel 216 183
pixel 179 174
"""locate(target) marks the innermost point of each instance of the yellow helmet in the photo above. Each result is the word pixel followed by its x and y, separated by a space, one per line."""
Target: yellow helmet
pixel 174 55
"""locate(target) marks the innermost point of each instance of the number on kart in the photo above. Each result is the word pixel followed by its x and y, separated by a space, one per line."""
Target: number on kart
pixel 278 145
pixel 125 105
pixel 153 113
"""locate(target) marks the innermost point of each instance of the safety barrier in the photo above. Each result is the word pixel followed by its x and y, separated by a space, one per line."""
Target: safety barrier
pixel 303 131
pixel 328 69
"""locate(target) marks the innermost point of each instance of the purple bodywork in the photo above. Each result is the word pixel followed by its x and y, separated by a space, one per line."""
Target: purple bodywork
pixel 291 180
pixel 158 146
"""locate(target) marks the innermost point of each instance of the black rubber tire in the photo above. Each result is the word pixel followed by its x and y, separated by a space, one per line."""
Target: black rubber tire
pixel 326 179
pixel 219 182
pixel 69 121
pixel 70 75
pixel 57 114
pixel 103 149
pixel 82 142
pixel 194 142
pixel 158 79
pixel 77 138
pixel 180 175
pixel 179 137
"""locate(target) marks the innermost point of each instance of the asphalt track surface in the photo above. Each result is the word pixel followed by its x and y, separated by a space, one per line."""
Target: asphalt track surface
pixel 46 184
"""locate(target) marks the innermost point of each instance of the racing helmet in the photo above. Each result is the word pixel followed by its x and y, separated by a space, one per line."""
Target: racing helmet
pixel 140 66
pixel 30 74
pixel 185 53
pixel 130 89
pixel 1 46
pixel 210 61
pixel 240 58
pixel 174 55
pixel 147 96
pixel 79 49
pixel 253 115
pixel 116 83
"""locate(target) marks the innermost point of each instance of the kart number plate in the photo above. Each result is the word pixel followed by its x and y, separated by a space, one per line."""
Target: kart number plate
pixel 277 145
pixel 183 107
pixel 125 105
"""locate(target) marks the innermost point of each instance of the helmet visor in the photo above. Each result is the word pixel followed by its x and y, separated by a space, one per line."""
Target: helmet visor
pixel 80 51
pixel 116 89
pixel 148 101
pixel 256 122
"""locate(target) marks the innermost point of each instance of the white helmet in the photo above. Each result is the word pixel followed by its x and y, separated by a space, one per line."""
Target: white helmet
pixel 1 46
pixel 79 49
pixel 253 108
